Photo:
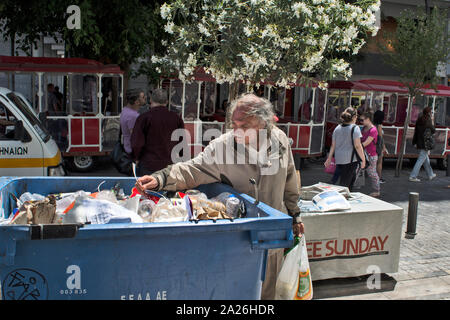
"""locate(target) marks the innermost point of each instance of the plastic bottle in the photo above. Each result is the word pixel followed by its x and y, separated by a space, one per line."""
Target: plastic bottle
pixel 233 205
pixel 145 209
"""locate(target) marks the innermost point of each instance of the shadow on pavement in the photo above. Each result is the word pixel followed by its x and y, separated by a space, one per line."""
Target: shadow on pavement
pixel 342 287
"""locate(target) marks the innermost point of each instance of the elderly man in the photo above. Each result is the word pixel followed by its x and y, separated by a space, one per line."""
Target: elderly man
pixel 252 122
pixel 151 141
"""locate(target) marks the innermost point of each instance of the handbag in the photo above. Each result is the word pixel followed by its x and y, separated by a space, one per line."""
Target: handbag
pixel 121 159
pixel 428 139
pixel 366 156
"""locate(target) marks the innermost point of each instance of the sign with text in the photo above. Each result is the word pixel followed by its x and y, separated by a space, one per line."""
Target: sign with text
pixel 345 244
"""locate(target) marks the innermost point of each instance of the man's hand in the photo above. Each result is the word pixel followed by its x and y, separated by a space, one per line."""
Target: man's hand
pixel 146 183
pixel 298 228
pixel 327 163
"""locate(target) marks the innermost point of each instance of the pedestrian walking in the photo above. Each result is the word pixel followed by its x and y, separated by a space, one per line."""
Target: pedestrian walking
pixel 369 141
pixel 378 119
pixel 424 142
pixel 346 147
pixel 151 140
pixel 135 100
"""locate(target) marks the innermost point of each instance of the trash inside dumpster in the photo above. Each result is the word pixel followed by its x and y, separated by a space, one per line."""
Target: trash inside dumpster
pixel 107 206
pixel 76 240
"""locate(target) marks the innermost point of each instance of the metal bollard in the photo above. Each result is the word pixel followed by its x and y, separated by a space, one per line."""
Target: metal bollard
pixel 448 165
pixel 412 215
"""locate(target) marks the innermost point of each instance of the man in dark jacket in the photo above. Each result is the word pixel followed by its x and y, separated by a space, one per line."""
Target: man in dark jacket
pixel 151 139
pixel 423 123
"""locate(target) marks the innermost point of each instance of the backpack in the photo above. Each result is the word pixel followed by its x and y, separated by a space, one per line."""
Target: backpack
pixel 379 145
pixel 428 139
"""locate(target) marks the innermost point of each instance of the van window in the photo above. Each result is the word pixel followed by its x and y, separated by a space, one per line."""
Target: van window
pixel 34 122
pixel 7 124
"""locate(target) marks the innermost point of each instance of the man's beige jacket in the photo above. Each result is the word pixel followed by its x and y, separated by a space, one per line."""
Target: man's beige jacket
pixel 223 160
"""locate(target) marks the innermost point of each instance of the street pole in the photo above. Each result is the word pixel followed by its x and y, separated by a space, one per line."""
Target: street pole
pixel 412 215
pixel 448 165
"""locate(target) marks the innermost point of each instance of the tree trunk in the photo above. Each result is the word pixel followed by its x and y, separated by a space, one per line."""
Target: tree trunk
pixel 398 167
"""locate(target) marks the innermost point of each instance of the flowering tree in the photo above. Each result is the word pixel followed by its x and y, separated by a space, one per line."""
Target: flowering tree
pixel 283 41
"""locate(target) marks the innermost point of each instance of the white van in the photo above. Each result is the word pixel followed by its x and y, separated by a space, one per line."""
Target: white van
pixel 26 147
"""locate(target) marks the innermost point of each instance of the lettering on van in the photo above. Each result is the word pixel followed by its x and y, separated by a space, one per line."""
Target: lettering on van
pixel 13 151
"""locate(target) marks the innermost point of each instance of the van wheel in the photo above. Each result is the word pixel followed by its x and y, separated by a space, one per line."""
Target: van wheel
pixel 442 163
pixel 82 163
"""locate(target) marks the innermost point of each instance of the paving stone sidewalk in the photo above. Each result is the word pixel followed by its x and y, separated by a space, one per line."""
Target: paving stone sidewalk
pixel 428 254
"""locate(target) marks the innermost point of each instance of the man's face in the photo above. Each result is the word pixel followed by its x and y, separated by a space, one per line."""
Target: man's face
pixel 245 127
pixel 142 99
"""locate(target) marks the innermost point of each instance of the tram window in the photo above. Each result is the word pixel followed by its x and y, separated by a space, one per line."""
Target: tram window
pixel 223 96
pixel 402 105
pixel 419 104
pixel 389 107
pixel 303 103
pixel 208 98
pixel 190 103
pixel 447 113
pixel 84 94
pixel 377 101
pixel 319 105
pixel 176 93
pixel 440 111
pixel 277 98
pixel 337 102
pixel 111 101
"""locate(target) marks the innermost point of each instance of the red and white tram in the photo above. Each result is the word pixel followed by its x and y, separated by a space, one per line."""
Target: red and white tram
pixel 87 124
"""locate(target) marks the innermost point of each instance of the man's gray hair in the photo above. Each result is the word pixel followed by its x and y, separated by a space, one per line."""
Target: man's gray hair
pixel 132 95
pixel 252 105
pixel 160 96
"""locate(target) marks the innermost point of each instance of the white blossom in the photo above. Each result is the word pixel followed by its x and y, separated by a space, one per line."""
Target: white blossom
pixel 203 30
pixel 169 27
pixel 165 11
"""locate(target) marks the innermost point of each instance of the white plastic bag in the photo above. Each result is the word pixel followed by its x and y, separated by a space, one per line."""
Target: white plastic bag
pixel 294 281
pixel 97 211
pixel 166 211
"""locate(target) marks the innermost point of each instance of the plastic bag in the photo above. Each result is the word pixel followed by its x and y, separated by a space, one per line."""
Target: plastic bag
pixel 166 211
pixel 331 168
pixel 97 211
pixel 31 197
pixel 294 281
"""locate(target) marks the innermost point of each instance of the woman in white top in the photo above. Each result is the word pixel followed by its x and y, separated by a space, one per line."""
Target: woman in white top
pixel 345 155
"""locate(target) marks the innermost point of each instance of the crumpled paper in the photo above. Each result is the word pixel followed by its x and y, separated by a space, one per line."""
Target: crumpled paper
pixel 37 212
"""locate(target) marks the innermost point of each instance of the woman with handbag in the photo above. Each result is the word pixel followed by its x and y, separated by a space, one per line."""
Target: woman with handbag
pixel 369 142
pixel 378 119
pixel 347 149
pixel 424 141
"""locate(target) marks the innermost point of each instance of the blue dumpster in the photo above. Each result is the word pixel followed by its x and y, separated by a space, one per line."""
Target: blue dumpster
pixel 184 260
